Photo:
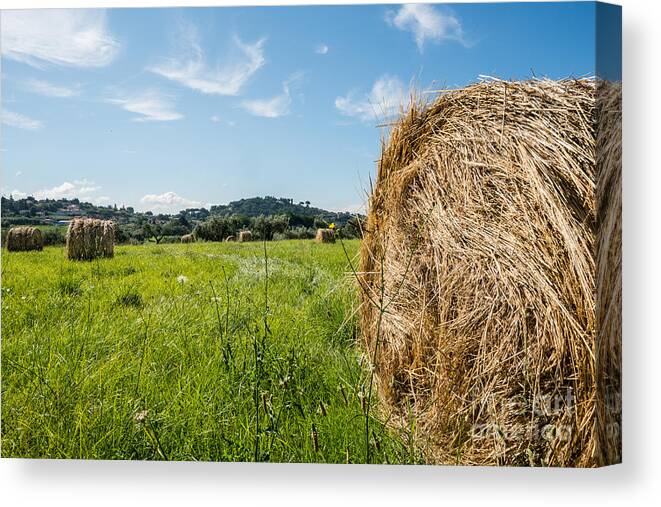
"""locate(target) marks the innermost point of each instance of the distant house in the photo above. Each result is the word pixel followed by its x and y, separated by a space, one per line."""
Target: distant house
pixel 62 222
pixel 70 210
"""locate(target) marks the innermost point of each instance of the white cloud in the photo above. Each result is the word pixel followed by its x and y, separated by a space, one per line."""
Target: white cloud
pixel 191 69
pixel 426 23
pixel 49 89
pixel 86 190
pixel 274 107
pixel 150 104
pixel 16 194
pixel 383 101
pixel 19 173
pixel 321 49
pixel 168 202
pixel 83 189
pixel 72 38
pixel 269 108
pixel 20 121
pixel 66 189
pixel 218 119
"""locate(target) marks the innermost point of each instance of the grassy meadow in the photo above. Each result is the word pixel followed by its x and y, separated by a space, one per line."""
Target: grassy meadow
pixel 204 351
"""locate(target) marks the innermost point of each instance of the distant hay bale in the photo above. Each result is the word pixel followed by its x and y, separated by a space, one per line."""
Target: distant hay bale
pixel 90 238
pixel 325 236
pixel 23 239
pixel 496 233
pixel 229 239
pixel 245 236
pixel 188 238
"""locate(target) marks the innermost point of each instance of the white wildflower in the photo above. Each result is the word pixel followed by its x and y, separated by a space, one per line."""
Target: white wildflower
pixel 141 416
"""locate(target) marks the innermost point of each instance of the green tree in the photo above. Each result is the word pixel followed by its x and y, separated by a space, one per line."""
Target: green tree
pixel 153 231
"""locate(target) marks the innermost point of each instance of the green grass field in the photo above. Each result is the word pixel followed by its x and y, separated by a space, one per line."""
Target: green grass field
pixel 208 351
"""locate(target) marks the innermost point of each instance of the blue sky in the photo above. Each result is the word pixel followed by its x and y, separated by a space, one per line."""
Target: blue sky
pixel 165 109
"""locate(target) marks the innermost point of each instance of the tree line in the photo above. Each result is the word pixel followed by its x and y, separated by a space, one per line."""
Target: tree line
pixel 268 218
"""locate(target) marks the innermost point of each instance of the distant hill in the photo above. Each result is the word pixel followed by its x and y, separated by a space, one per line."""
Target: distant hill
pixel 49 211
pixel 269 205
pixel 273 216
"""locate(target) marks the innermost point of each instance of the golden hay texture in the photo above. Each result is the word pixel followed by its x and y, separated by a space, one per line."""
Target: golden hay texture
pixel 492 225
pixel 608 445
pixel 245 236
pixel 325 236
pixel 89 238
pixel 188 238
pixel 23 239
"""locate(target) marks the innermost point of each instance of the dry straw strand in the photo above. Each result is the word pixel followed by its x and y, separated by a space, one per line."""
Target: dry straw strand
pixel 90 238
pixel 504 333
pixel 608 441
pixel 23 239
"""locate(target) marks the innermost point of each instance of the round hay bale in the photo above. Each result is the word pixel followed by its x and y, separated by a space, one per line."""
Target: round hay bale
pixel 608 368
pixel 245 236
pixel 229 239
pixel 482 229
pixel 90 238
pixel 188 238
pixel 325 236
pixel 24 239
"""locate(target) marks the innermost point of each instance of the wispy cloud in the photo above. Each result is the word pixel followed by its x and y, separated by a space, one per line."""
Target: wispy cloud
pixel 86 187
pixel 426 22
pixel 16 194
pixel 20 121
pixel 72 38
pixel 269 108
pixel 273 107
pixel 83 189
pixel 383 101
pixel 151 105
pixel 168 202
pixel 217 119
pixel 190 68
pixel 50 89
pixel 66 189
pixel 321 49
